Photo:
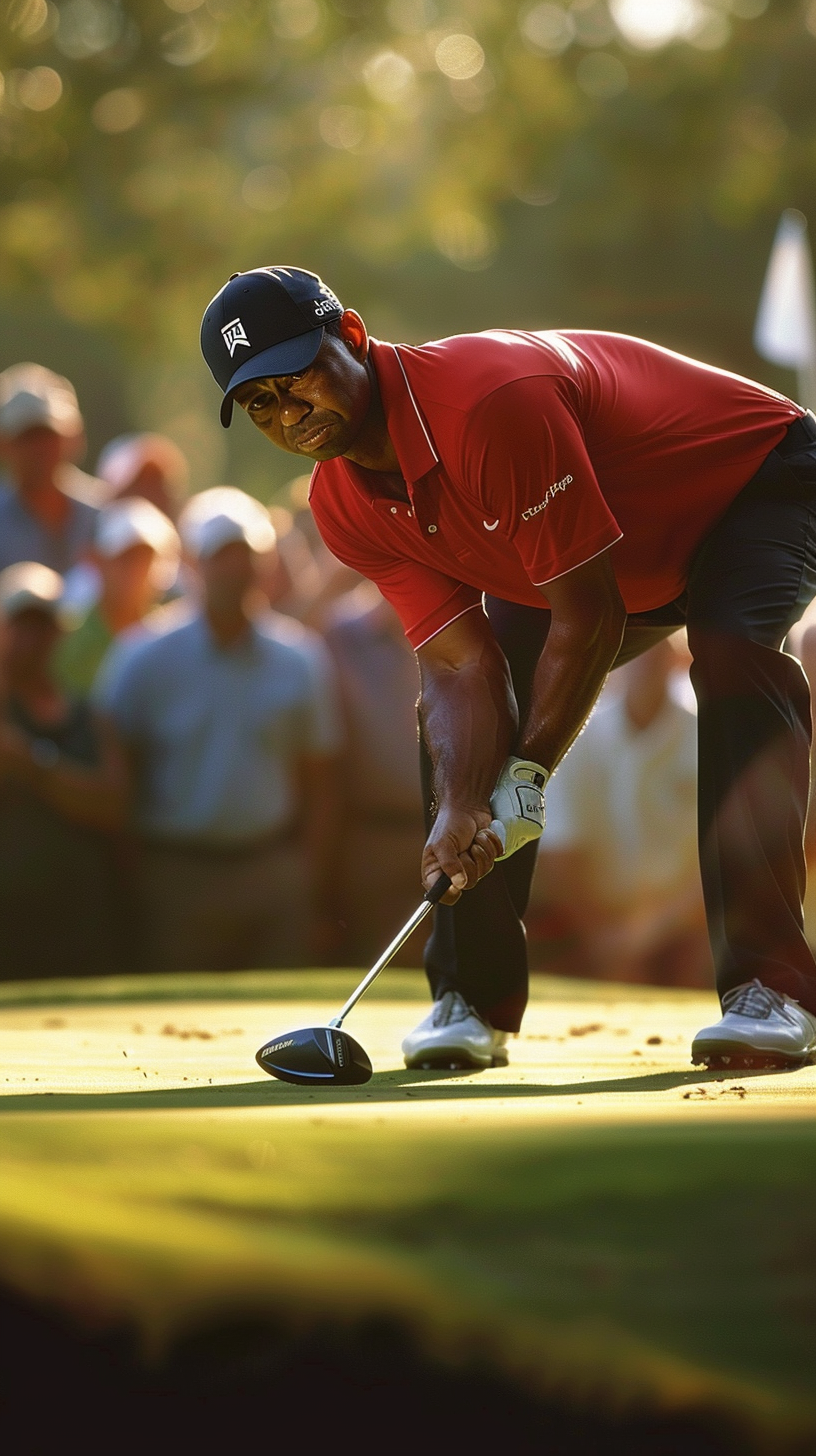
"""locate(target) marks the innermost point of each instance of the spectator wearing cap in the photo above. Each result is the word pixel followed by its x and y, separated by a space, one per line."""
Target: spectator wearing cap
pixel 136 552
pixel 149 466
pixel 233 729
pixel 63 796
pixel 48 507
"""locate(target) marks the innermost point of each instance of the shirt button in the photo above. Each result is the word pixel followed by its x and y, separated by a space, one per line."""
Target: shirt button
pixel 393 510
pixel 410 513
pixel 431 530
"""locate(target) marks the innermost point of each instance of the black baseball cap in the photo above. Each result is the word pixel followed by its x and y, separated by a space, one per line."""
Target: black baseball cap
pixel 266 322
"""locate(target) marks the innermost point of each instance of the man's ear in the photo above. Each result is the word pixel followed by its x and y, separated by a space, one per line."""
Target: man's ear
pixel 354 334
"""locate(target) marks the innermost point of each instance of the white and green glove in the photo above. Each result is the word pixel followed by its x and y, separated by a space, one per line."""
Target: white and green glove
pixel 517 804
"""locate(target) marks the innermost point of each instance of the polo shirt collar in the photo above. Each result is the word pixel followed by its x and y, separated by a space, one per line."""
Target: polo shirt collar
pixel 409 433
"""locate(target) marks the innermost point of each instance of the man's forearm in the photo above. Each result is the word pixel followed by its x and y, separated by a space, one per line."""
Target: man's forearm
pixel 571 671
pixel 469 721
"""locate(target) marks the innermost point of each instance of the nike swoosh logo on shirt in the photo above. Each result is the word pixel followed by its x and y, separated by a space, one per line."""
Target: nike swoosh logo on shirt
pixel 488 527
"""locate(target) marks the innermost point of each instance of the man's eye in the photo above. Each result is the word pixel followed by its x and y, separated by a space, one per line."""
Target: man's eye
pixel 260 402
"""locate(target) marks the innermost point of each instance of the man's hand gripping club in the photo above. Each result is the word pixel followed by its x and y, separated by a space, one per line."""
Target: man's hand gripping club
pixel 466 844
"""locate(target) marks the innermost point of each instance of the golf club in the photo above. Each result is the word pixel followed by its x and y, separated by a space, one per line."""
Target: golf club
pixel 325 1055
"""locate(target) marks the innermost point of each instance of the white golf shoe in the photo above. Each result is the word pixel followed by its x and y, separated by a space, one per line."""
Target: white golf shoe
pixel 454 1036
pixel 759 1028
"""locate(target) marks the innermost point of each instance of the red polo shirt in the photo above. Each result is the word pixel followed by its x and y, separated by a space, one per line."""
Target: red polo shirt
pixel 526 454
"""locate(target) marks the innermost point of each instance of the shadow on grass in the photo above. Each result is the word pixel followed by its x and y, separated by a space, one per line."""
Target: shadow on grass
pixel 383 1087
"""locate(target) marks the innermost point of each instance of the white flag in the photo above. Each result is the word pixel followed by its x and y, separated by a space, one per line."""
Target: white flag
pixel 785 331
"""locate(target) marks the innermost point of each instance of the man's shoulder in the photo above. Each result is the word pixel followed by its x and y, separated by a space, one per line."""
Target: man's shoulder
pixel 463 369
pixel 166 627
pixel 161 634
pixel 287 639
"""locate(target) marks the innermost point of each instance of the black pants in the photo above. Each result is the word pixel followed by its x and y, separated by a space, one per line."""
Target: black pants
pixel 750 580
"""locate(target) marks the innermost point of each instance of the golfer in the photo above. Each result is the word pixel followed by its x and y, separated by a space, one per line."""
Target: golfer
pixel 540 508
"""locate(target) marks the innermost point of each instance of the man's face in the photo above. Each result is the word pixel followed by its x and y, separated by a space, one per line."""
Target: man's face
pixel 130 578
pixel 319 412
pixel 27 641
pixel 228 575
pixel 35 454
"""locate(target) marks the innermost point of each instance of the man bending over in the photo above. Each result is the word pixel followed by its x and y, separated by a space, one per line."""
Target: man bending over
pixel 540 508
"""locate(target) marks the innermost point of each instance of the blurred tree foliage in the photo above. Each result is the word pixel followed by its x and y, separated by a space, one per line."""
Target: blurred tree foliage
pixel 447 164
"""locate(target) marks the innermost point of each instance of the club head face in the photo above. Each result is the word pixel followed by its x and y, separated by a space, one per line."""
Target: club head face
pixel 316 1056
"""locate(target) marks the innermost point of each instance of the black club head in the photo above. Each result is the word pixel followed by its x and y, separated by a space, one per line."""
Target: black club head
pixel 316 1056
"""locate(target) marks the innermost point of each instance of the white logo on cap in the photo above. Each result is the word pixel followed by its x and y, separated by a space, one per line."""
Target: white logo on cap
pixel 327 303
pixel 234 334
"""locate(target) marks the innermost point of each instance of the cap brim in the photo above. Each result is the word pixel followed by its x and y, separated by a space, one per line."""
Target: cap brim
pixel 286 358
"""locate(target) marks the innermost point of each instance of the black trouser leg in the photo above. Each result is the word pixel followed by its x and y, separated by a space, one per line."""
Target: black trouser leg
pixel 478 946
pixel 749 583
pixel 754 744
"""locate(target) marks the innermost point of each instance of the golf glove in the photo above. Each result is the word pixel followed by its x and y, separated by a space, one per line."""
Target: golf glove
pixel 517 804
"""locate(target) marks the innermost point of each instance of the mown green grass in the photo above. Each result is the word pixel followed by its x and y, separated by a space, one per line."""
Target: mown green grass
pixel 696 1241
pixel 667 1261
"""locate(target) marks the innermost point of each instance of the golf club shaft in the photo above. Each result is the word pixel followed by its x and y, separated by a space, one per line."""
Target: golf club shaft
pixel 431 898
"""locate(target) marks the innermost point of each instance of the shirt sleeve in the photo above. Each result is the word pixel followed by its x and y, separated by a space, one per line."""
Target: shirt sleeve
pixel 525 454
pixel 425 600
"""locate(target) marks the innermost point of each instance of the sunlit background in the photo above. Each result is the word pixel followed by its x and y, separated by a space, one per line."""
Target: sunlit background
pixel 445 164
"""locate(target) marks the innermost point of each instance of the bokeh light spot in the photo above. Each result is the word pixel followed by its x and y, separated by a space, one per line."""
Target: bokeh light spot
pixel 343 127
pixel 26 17
pixel 389 76
pixel 118 110
pixel 87 27
pixel 460 57
pixel 649 24
pixel 38 89
pixel 190 42
pixel 550 28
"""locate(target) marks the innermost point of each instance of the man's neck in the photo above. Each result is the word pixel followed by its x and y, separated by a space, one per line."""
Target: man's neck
pixel 373 447
pixel 118 616
pixel 38 695
pixel 229 626
pixel 45 501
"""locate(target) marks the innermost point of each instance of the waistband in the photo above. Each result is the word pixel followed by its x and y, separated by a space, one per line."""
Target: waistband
pixel 798 436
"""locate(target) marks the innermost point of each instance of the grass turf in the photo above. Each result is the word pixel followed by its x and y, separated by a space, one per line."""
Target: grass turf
pixel 597 1220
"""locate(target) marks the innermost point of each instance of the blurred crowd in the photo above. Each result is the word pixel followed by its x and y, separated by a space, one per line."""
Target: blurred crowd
pixel 208 739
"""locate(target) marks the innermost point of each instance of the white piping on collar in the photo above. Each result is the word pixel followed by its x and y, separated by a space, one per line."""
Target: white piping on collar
pixel 416 407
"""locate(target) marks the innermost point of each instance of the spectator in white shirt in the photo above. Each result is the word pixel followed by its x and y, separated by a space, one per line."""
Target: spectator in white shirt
pixel 617 869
